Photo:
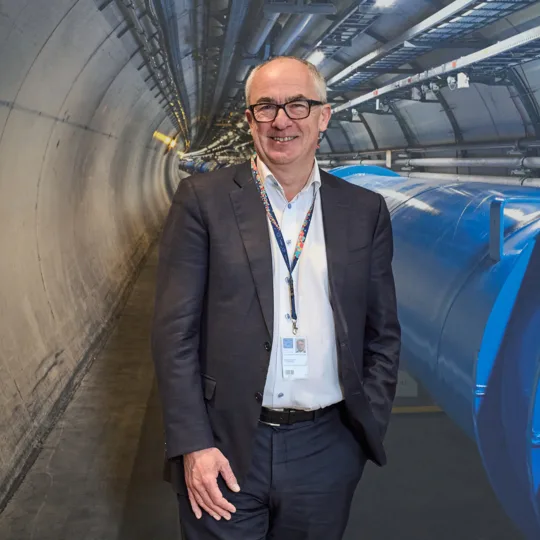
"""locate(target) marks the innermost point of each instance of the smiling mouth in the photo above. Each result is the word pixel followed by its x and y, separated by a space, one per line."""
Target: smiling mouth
pixel 283 139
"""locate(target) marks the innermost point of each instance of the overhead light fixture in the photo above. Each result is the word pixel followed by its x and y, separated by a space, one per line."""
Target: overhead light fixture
pixel 462 80
pixel 384 3
pixel 316 57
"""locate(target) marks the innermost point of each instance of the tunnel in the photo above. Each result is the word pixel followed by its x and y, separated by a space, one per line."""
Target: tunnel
pixel 107 105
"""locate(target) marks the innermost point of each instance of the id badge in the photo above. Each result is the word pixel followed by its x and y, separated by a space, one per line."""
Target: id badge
pixel 295 357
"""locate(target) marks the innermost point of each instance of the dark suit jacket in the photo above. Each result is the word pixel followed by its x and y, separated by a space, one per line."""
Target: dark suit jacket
pixel 212 329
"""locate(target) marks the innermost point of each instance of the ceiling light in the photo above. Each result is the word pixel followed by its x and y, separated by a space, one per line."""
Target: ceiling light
pixel 462 80
pixel 384 3
pixel 316 57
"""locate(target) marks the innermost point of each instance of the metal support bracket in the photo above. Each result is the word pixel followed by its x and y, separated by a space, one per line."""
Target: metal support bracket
pixel 496 223
pixel 460 64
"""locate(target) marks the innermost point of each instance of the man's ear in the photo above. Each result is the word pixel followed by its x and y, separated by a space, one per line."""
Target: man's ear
pixel 249 117
pixel 326 113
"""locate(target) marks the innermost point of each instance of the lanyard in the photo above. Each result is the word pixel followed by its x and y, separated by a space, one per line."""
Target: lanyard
pixel 279 236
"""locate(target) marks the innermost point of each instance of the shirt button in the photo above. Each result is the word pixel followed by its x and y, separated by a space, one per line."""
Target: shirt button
pixel 287 316
pixel 258 396
pixel 288 242
pixel 267 346
pixel 289 205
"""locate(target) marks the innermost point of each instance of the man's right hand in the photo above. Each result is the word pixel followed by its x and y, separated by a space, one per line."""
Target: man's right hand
pixel 201 470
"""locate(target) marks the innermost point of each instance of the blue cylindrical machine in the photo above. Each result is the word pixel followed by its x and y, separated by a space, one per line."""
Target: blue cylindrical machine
pixel 467 270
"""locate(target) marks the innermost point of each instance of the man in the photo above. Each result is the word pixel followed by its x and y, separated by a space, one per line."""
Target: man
pixel 276 339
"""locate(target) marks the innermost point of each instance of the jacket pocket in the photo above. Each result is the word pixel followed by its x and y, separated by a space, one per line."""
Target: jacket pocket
pixel 209 387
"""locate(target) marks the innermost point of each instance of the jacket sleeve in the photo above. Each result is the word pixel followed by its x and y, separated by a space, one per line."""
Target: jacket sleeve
pixel 180 290
pixel 382 337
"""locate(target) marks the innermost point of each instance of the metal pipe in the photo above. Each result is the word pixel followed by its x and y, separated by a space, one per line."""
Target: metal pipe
pixel 529 163
pixel 510 180
pixel 519 144
pixel 342 163
pixel 507 162
pixel 337 163
pixel 236 18
pixel 258 37
pixel 199 38
pixel 379 162
pixel 291 32
pixel 161 74
pixel 179 61
pixel 261 33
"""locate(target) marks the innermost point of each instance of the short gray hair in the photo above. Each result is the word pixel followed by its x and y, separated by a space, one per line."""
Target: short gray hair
pixel 318 79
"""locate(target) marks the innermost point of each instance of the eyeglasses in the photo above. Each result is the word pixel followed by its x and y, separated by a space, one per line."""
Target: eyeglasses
pixel 295 110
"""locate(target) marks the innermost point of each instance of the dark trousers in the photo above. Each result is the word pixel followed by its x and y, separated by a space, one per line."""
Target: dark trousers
pixel 299 487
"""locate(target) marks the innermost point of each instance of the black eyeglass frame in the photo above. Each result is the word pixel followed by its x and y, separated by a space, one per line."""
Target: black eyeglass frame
pixel 311 103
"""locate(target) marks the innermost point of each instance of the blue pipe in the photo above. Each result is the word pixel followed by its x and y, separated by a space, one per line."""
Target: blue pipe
pixel 467 270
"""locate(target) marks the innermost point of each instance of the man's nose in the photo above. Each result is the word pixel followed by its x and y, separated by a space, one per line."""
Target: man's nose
pixel 281 120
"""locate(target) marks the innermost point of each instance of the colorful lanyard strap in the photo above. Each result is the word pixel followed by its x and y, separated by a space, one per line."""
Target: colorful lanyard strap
pixel 279 236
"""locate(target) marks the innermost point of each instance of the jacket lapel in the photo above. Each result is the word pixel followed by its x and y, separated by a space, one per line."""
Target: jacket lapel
pixel 335 207
pixel 252 222
pixel 253 226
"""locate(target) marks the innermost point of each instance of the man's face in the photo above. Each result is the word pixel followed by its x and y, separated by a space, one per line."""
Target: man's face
pixel 279 82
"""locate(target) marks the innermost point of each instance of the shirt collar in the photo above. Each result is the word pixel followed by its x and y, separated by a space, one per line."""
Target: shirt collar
pixel 267 177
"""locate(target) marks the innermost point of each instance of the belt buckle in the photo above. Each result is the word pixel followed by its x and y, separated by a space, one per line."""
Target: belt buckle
pixel 271 423
pixel 290 416
pixel 283 417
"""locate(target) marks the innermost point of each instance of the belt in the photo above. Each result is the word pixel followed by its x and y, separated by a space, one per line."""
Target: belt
pixel 291 416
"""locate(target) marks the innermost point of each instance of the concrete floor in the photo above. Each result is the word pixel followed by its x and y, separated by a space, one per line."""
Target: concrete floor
pixel 98 476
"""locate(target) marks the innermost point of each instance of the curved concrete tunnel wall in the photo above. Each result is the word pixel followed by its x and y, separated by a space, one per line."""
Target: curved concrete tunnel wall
pixel 84 189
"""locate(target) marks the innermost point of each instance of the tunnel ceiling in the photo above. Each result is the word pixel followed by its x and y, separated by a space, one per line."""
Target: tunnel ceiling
pixel 376 56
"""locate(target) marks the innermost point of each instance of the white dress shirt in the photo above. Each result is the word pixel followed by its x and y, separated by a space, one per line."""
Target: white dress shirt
pixel 314 313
